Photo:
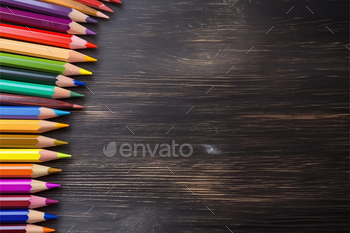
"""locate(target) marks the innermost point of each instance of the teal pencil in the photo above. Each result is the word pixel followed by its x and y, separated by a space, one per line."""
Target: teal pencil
pixel 34 89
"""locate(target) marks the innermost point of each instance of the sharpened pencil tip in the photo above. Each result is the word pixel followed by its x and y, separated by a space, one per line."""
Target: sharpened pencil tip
pixel 76 106
pixel 101 15
pixel 60 125
pixel 52 170
pixel 90 20
pixel 60 112
pixel 52 185
pixel 49 216
pixel 105 8
pixel 78 83
pixel 74 94
pixel 63 155
pixel 89 32
pixel 50 201
pixel 90 45
pixel 87 58
pixel 85 72
pixel 60 143
pixel 48 230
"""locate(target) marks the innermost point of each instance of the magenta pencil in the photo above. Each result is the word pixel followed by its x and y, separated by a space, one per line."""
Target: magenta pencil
pixel 24 186
pixel 49 9
pixel 43 21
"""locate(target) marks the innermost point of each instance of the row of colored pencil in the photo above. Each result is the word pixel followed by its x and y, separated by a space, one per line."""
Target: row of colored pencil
pixel 35 60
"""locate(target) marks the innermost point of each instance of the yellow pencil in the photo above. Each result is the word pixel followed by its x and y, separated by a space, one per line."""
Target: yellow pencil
pixel 29 155
pixel 28 126
pixel 42 51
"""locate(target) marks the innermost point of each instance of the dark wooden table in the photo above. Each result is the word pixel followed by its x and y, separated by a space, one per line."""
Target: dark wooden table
pixel 266 83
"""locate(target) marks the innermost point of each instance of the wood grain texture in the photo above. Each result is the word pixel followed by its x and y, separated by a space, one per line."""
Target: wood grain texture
pixel 270 139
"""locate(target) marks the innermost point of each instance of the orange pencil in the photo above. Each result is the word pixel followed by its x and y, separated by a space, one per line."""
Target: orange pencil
pixel 25 170
pixel 78 6
pixel 28 126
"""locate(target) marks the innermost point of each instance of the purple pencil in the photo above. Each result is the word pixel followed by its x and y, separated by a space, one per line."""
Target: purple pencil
pixel 49 9
pixel 24 186
pixel 43 21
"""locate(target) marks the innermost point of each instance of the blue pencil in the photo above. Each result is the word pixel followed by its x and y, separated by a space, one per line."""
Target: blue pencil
pixel 21 216
pixel 29 113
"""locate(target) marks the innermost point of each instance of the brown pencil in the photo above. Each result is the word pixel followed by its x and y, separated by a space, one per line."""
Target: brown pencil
pixel 28 141
pixel 14 99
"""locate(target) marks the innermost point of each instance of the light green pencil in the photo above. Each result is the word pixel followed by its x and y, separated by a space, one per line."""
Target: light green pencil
pixel 45 65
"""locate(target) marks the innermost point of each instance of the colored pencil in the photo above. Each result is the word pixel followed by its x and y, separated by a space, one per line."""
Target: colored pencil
pixel 44 37
pixel 49 9
pixel 22 100
pixel 29 155
pixel 25 170
pixel 43 21
pixel 24 186
pixel 24 228
pixel 114 1
pixel 29 113
pixel 39 64
pixel 28 141
pixel 38 77
pixel 24 202
pixel 28 126
pixel 78 6
pixel 34 89
pixel 43 51
pixel 28 216
pixel 95 4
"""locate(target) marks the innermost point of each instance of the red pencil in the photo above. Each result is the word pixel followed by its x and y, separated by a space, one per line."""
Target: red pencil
pixel 114 1
pixel 44 37
pixel 96 4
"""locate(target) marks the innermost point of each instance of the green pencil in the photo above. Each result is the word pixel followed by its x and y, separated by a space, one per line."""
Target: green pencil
pixel 45 65
pixel 33 89
pixel 33 76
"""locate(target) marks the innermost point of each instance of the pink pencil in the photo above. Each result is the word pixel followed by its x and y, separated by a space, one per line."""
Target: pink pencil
pixel 24 202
